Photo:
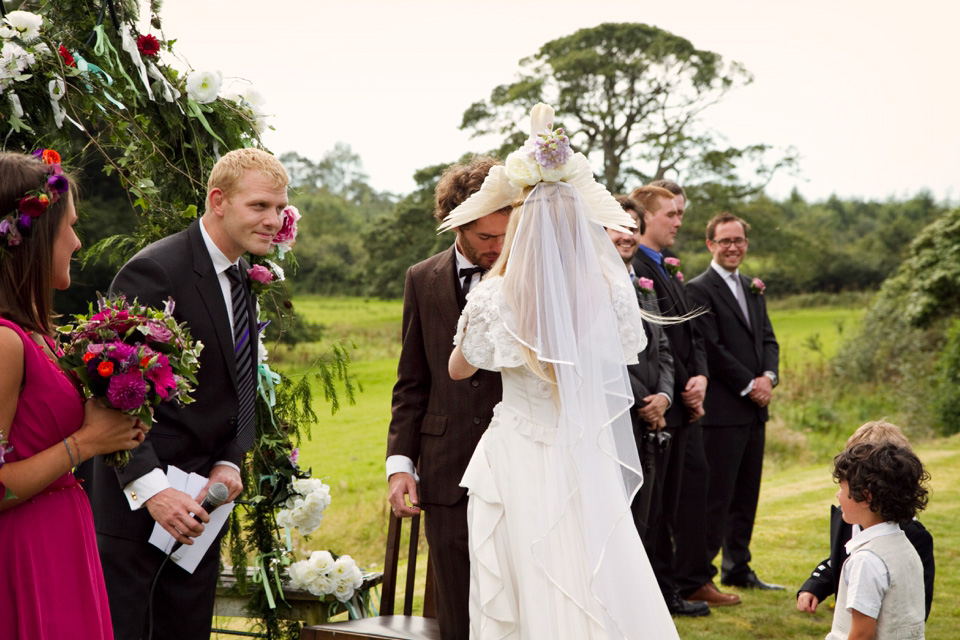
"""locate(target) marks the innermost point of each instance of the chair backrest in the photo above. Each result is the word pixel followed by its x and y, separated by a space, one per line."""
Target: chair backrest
pixel 391 563
pixel 388 625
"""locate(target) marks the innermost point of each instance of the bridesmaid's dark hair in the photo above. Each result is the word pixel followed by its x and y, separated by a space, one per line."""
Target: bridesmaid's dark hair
pixel 26 295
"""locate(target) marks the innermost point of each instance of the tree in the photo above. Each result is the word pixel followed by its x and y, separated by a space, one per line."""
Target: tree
pixel 632 94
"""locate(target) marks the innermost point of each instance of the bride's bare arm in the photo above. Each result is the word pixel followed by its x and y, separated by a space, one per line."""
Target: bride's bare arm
pixel 458 366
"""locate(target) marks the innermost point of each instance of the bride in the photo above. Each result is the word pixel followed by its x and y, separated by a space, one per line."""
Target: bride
pixel 553 548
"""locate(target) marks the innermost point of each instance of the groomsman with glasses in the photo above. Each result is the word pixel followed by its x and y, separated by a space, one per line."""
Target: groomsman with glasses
pixel 743 358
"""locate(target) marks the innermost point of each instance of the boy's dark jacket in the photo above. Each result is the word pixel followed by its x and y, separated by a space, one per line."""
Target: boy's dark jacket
pixel 824 581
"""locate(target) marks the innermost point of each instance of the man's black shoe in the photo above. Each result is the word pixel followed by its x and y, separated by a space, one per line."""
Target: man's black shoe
pixel 680 607
pixel 750 581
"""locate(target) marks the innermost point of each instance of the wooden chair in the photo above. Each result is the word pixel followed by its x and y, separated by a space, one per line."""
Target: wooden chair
pixel 387 624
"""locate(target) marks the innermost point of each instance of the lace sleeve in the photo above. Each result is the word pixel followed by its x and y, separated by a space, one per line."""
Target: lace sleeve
pixel 632 336
pixel 482 337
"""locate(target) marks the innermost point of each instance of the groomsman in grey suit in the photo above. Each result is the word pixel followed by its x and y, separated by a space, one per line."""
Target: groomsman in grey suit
pixel 438 421
pixel 742 357
pixel 651 380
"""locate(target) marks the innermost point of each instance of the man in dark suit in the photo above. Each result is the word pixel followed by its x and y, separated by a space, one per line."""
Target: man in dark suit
pixel 246 194
pixel 662 218
pixel 743 357
pixel 651 380
pixel 437 421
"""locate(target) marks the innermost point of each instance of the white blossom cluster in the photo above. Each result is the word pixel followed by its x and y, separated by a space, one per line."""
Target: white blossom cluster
pixel 304 510
pixel 14 58
pixel 321 575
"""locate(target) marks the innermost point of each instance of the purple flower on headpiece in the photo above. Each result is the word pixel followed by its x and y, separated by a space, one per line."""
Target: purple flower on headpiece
pixel 58 183
pixel 127 391
pixel 25 221
pixel 4 226
pixel 552 149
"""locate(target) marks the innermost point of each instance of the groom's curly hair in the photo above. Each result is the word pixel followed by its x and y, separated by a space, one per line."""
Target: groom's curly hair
pixel 890 477
pixel 460 181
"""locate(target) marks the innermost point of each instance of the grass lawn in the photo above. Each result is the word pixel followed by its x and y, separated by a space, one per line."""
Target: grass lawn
pixel 791 532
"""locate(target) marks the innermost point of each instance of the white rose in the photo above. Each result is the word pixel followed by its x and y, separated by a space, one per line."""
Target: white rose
pixel 204 86
pixel 552 175
pixel 323 560
pixel 322 585
pixel 343 591
pixel 25 23
pixel 522 169
pixel 253 97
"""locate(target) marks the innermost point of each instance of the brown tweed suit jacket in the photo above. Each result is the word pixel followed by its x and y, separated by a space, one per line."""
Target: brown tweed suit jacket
pixel 436 421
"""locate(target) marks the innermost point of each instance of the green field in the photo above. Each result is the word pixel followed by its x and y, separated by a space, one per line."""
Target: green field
pixel 791 531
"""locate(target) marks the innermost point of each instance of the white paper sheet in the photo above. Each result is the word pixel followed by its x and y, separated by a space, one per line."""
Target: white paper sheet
pixel 189 556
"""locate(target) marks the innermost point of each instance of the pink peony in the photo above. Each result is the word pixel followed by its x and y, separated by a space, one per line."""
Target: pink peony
pixel 288 228
pixel 127 391
pixel 259 273
pixel 162 377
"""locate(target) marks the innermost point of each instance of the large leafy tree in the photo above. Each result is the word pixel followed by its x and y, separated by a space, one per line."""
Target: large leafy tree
pixel 631 95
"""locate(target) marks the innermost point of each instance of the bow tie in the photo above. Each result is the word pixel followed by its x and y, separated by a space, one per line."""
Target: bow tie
pixel 468 272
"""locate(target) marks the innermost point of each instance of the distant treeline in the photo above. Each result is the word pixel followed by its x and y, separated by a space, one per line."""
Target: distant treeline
pixel 357 241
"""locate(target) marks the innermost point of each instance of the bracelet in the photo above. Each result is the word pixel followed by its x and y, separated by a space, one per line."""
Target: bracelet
pixel 76 445
pixel 73 463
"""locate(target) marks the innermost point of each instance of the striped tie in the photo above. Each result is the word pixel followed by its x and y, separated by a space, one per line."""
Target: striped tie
pixel 246 390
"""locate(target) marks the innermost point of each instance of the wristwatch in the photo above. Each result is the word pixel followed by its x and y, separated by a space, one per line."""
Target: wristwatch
pixel 773 377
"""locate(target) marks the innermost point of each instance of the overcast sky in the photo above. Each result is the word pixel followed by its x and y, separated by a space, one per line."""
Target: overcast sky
pixel 865 91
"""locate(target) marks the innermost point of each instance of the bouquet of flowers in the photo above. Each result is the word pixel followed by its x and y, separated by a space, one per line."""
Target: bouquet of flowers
pixel 308 499
pixel 324 574
pixel 132 357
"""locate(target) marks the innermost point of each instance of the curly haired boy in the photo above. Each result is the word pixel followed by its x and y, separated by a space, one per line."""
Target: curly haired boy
pixel 881 585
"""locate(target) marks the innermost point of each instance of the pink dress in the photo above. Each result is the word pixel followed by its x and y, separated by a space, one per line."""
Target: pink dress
pixel 51 584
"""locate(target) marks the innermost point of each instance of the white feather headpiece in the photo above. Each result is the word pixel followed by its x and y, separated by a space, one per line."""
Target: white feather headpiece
pixel 545 157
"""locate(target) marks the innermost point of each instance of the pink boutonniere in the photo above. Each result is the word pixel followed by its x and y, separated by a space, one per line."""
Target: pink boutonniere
pixel 673 267
pixel 644 285
pixel 757 287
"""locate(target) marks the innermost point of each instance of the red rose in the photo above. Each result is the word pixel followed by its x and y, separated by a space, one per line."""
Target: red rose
pixel 105 369
pixel 67 56
pixel 87 357
pixel 148 45
pixel 33 206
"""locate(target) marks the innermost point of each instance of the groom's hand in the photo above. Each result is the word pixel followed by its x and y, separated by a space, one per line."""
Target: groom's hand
pixel 403 485
pixel 172 509
pixel 228 476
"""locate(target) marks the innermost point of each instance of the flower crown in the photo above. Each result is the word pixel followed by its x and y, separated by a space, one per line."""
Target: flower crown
pixel 17 224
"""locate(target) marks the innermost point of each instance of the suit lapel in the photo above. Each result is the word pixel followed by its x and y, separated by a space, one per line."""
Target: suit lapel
pixel 756 317
pixel 445 288
pixel 208 288
pixel 723 291
pixel 667 285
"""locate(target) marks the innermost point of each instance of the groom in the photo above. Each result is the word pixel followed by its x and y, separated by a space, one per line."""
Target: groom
pixel 203 270
pixel 437 422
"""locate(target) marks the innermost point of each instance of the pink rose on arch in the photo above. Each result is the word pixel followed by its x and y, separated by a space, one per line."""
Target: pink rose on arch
pixel 259 273
pixel 288 229
pixel 680 276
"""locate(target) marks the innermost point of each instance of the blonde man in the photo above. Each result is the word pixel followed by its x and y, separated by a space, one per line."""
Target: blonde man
pixel 203 270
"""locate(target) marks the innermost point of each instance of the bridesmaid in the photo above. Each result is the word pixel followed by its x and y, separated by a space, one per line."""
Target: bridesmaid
pixel 51 584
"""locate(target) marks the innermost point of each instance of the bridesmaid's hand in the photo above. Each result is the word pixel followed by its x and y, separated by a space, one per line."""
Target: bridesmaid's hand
pixel 106 430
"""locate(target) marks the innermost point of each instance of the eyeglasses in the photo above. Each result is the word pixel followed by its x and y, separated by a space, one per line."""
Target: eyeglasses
pixel 726 242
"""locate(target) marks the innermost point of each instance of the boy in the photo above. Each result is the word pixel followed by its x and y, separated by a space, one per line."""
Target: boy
pixel 880 594
pixel 825 578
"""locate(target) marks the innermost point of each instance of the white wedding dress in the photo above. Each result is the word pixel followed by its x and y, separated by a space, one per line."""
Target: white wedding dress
pixel 543 565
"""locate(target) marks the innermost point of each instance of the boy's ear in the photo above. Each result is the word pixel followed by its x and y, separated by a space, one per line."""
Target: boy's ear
pixel 868 498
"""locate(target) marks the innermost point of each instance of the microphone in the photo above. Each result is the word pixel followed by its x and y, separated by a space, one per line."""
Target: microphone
pixel 216 496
